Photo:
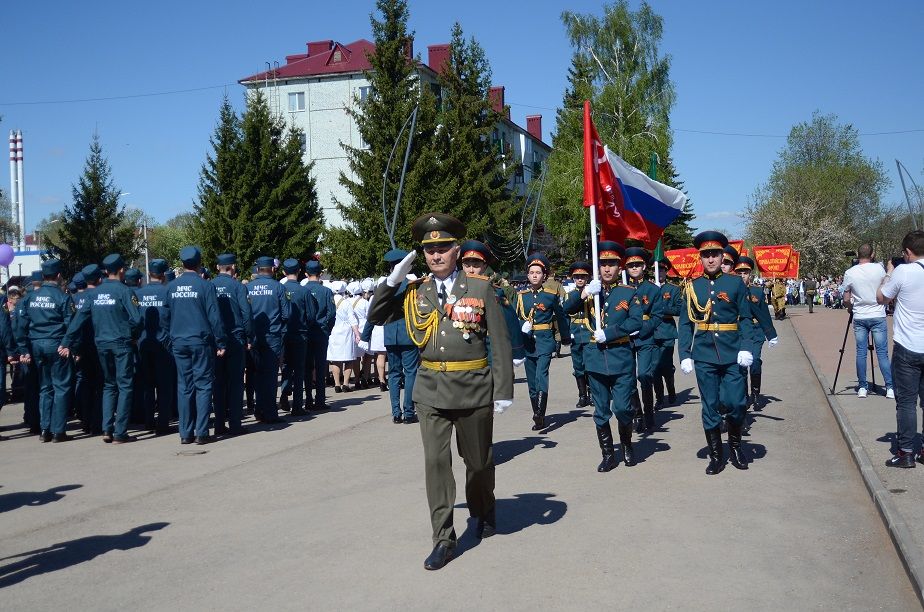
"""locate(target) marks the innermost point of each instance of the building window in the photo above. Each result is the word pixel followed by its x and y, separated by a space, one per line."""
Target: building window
pixel 364 93
pixel 537 164
pixel 338 56
pixel 303 142
pixel 437 92
pixel 518 175
pixel 296 102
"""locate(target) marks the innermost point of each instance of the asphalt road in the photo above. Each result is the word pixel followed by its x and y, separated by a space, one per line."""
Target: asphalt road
pixel 330 513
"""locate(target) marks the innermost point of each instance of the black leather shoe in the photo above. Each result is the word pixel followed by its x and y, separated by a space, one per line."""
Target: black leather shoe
pixel 45 436
pixel 61 437
pixel 605 439
pixel 901 460
pixel 396 420
pixel 186 440
pixel 734 444
pixel 383 387
pixel 486 528
pixel 107 437
pixel 200 440
pixel 441 555
pixel 338 389
pixel 411 420
pixel 625 439
pixel 716 452
pixel 123 439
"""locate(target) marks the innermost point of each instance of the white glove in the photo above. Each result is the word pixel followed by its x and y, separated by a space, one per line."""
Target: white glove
pixel 527 327
pixel 774 341
pixel 518 362
pixel 599 335
pixel 745 358
pixel 593 287
pixel 501 405
pixel 397 276
pixel 686 366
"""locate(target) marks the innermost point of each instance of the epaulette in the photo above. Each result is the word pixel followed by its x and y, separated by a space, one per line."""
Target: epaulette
pixel 478 276
pixel 551 291
pixel 522 291
pixel 626 286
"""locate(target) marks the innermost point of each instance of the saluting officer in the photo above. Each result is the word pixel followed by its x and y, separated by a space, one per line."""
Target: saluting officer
pixel 580 333
pixel 303 310
pixel 644 345
pixel 237 321
pixel 157 373
pixel 318 336
pixel 537 307
pixel 609 360
pixel 46 313
pixel 270 305
pixel 196 337
pixel 113 309
pixel 763 329
pixel 715 331
pixel 665 337
pixel 449 316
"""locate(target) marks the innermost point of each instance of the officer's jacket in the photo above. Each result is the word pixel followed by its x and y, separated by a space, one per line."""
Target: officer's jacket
pixel 151 301
pixel 650 299
pixel 113 310
pixel 234 307
pixel 579 333
pixel 760 317
pixel 622 317
pixel 395 330
pixel 192 312
pixel 453 373
pixel 721 323
pixel 326 310
pixel 46 313
pixel 543 308
pixel 85 335
pixel 513 324
pixel 270 305
pixel 672 299
pixel 7 339
pixel 303 309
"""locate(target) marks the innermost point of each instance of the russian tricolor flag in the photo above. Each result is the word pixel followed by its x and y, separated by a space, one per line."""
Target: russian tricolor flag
pixel 629 204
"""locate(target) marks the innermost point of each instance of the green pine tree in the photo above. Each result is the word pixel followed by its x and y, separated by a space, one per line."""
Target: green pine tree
pixel 93 225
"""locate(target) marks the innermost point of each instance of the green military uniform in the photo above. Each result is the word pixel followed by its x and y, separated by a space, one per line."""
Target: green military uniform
pixel 552 284
pixel 454 388
pixel 763 330
pixel 580 338
pixel 811 288
pixel 665 338
pixel 644 345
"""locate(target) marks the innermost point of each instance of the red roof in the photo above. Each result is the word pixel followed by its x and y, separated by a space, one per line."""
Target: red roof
pixel 321 57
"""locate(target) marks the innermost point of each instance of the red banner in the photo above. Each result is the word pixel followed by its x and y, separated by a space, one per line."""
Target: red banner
pixel 773 261
pixel 685 262
pixel 738 245
pixel 793 270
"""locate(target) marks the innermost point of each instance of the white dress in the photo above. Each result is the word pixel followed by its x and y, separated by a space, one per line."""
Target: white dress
pixel 377 341
pixel 342 346
pixel 360 310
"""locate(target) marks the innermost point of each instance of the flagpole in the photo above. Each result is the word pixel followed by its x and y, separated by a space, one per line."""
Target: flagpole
pixel 657 277
pixel 595 261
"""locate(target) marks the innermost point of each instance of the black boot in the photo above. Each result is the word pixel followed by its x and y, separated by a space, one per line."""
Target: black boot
pixel 716 454
pixel 583 397
pixel 755 391
pixel 648 409
pixel 658 385
pixel 625 439
pixel 542 400
pixel 605 438
pixel 734 444
pixel 534 400
pixel 671 392
pixel 636 405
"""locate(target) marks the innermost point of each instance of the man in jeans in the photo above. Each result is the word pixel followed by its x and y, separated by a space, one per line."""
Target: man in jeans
pixel 869 317
pixel 905 285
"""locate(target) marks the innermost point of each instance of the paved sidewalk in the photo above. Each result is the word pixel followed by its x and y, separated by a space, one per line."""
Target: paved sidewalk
pixel 330 513
pixel 870 427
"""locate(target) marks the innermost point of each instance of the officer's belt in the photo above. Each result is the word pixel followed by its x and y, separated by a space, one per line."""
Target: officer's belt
pixel 579 321
pixel 455 366
pixel 646 317
pixel 541 326
pixel 618 341
pixel 668 319
pixel 717 327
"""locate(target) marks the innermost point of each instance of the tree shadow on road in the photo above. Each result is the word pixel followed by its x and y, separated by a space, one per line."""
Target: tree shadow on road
pixel 559 420
pixel 647 446
pixel 505 450
pixel 12 501
pixel 67 554
pixel 684 396
pixel 516 514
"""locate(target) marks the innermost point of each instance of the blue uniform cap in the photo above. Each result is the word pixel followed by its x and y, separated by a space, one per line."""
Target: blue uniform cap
pixel 226 259
pixel 538 259
pixel 636 254
pixel 730 254
pixel 50 267
pixel 313 267
pixel 36 276
pixel 744 263
pixel 291 266
pixel 91 273
pixel 710 241
pixel 474 249
pixel 264 261
pixel 579 267
pixel 170 275
pixel 113 262
pixel 79 280
pixel 132 276
pixel 190 256
pixel 158 266
pixel 610 250
pixel 392 256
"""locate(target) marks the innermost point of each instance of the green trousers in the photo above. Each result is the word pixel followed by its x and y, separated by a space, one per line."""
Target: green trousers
pixel 474 433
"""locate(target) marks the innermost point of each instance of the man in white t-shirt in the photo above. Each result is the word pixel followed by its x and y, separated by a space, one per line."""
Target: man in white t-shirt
pixel 869 317
pixel 905 285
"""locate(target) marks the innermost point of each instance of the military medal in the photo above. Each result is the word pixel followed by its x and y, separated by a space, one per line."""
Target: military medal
pixel 451 299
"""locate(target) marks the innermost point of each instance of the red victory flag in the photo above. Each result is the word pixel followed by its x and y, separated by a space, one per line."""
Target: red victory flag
pixel 685 262
pixel 773 261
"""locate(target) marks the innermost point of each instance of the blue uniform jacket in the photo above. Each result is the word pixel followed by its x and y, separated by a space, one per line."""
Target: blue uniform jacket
pixel 192 312
pixel 326 310
pixel 7 339
pixel 763 322
pixel 649 297
pixel 394 332
pixel 622 316
pixel 46 313
pixel 270 306
pixel 151 301
pixel 234 307
pixel 303 309
pixel 579 333
pixel 672 298
pixel 730 304
pixel 113 309
pixel 542 307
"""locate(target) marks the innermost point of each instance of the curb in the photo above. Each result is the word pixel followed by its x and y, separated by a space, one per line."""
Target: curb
pixel 910 554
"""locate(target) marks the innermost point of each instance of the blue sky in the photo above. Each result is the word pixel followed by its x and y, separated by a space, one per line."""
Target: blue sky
pixel 738 67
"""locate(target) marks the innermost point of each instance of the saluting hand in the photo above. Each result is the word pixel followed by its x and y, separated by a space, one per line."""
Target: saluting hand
pixel 401 270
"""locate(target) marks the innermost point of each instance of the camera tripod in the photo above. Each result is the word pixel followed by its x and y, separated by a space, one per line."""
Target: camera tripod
pixel 872 359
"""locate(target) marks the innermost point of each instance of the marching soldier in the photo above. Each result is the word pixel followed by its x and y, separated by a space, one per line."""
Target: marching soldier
pixel 811 288
pixel 449 316
pixel 609 360
pixel 580 334
pixel 715 331
pixel 644 345
pixel 665 337
pixel 778 293
pixel 270 306
pixel 537 307
pixel 762 329
pixel 237 321
pixel 46 314
pixel 157 371
pixel 318 336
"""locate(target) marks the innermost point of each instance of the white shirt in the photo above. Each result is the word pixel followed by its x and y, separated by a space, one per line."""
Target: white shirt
pixel 862 281
pixel 446 284
pixel 906 286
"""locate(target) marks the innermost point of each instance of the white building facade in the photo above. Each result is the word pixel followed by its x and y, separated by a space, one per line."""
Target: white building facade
pixel 314 90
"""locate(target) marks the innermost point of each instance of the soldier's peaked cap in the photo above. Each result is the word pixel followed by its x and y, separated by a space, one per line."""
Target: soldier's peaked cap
pixel 190 256
pixel 730 254
pixel 79 280
pixel 313 267
pixel 538 259
pixel 610 249
pixel 226 259
pixel 436 227
pixel 158 266
pixel 637 254
pixel 50 267
pixel 474 249
pixel 264 261
pixel 579 267
pixel 133 275
pixel 291 266
pixel 395 255
pixel 710 241
pixel 91 272
pixel 113 262
pixel 745 263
